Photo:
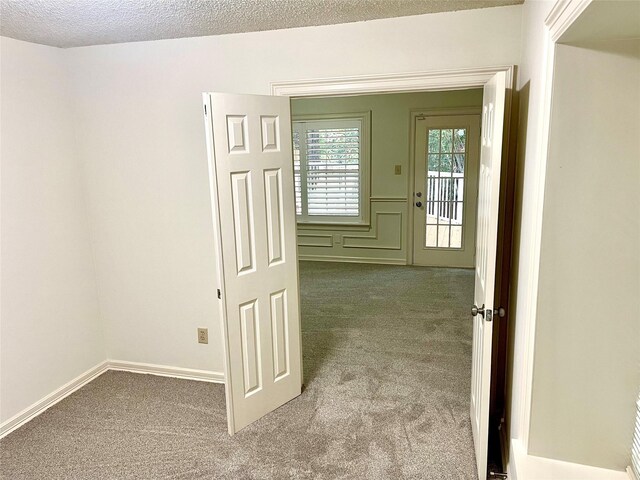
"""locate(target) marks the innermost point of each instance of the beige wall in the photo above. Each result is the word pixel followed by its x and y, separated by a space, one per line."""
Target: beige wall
pixel 50 330
pixel 386 239
pixel 587 349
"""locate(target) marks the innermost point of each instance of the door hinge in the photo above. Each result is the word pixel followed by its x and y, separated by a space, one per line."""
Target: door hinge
pixel 219 294
pixel 205 108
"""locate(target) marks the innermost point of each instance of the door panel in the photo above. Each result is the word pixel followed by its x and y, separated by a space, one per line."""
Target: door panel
pixel 493 111
pixel 445 190
pixel 253 205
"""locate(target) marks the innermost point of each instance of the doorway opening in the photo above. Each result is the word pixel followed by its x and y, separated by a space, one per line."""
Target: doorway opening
pixel 492 448
pixel 420 152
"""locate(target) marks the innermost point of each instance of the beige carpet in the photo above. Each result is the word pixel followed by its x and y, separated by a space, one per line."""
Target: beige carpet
pixel 387 354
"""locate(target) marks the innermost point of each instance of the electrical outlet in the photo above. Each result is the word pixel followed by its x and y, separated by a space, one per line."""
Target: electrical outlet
pixel 398 170
pixel 337 239
pixel 203 335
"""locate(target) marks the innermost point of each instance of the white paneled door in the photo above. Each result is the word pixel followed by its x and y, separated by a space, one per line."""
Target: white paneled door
pixel 253 203
pixel 483 312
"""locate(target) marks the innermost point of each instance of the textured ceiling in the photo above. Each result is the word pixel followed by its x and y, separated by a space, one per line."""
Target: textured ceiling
pixel 74 23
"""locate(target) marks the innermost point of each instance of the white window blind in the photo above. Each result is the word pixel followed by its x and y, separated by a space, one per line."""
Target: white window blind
pixel 296 171
pixel 328 169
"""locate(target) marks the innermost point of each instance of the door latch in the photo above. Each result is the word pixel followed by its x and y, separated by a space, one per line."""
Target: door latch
pixel 488 314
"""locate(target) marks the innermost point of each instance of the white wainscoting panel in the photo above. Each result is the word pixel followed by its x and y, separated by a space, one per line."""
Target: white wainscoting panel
pixel 383 241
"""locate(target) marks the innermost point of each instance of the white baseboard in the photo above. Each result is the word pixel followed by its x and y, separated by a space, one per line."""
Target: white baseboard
pixel 528 467
pixel 329 258
pixel 40 406
pixel 167 371
pixel 54 397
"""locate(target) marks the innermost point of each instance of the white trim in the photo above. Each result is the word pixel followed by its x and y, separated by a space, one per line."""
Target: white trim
pixel 632 475
pixel 560 18
pixel 81 380
pixel 530 467
pixel 340 259
pixel 51 399
pixel 401 82
pixel 529 307
pixel 167 371
pixel 444 112
pixel 389 199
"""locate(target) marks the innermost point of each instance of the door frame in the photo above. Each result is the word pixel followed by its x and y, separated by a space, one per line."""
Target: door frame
pixel 441 112
pixel 442 80
pixel 457 79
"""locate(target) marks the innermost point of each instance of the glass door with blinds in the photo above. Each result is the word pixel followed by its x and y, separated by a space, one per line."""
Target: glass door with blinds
pixel 330 170
pixel 445 191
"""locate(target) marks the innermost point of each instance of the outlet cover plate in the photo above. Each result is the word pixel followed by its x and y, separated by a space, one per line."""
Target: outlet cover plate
pixel 203 335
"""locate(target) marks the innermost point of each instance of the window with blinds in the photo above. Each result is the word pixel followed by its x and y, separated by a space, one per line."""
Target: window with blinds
pixel 329 170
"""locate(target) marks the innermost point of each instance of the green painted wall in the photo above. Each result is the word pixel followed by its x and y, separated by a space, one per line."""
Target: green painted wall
pixel 385 240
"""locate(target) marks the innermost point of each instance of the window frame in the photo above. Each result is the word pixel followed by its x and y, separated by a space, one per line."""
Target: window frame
pixel 364 218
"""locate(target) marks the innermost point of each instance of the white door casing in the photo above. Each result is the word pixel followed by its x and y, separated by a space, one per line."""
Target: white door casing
pixel 253 205
pixel 493 111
